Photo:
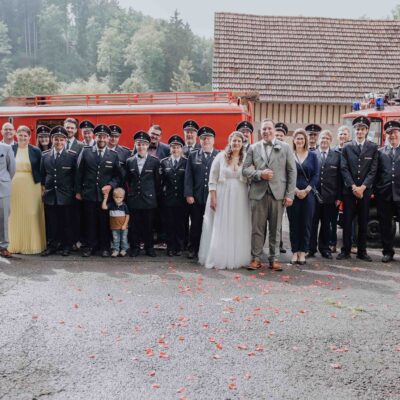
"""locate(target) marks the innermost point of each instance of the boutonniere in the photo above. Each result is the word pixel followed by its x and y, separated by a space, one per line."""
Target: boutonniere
pixel 277 147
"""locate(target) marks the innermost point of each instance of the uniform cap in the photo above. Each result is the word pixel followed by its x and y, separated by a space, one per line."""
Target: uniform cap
pixel 141 135
pixel 313 128
pixel 115 130
pixel 43 130
pixel 391 125
pixel 280 126
pixel 86 125
pixel 190 124
pixel 245 125
pixel 206 131
pixel 176 139
pixel 361 120
pixel 102 129
pixel 58 131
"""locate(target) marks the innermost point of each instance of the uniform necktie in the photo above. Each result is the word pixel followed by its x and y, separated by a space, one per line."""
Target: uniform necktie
pixel 323 157
pixel 68 144
pixel 206 154
pixel 175 163
pixel 360 147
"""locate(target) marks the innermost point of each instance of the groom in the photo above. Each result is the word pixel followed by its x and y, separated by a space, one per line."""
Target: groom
pixel 271 170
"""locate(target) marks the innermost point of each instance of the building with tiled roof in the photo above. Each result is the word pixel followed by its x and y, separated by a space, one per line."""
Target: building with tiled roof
pixel 305 69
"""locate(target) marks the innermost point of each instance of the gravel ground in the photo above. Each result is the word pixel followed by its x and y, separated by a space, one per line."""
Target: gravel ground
pixel 162 328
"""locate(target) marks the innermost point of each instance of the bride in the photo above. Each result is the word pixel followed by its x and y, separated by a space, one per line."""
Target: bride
pixel 226 235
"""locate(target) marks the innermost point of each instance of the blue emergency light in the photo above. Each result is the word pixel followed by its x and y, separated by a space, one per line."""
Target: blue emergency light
pixel 356 106
pixel 379 103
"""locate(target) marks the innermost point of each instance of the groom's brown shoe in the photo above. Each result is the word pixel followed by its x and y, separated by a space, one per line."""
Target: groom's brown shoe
pixel 254 265
pixel 275 266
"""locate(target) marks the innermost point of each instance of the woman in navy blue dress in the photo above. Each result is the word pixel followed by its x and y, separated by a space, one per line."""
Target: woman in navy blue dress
pixel 301 212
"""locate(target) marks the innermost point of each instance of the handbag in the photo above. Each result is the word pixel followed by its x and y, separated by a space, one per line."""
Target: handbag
pixel 315 191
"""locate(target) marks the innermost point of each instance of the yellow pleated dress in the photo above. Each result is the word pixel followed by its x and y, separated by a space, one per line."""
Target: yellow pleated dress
pixel 26 224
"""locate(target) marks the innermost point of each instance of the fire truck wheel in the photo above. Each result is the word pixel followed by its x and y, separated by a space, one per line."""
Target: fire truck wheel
pixel 373 231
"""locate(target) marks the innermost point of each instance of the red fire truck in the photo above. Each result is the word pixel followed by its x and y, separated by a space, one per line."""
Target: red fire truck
pixel 134 111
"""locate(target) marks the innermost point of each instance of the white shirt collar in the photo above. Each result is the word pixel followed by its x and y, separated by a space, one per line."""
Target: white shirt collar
pixel 362 143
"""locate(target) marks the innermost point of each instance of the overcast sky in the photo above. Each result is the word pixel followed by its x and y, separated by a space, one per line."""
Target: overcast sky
pixel 200 13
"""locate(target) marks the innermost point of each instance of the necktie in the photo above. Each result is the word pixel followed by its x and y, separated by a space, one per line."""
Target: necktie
pixel 323 157
pixel 360 147
pixel 206 154
pixel 68 144
pixel 58 155
pixel 100 154
pixel 175 163
pixel 269 143
pixel 394 151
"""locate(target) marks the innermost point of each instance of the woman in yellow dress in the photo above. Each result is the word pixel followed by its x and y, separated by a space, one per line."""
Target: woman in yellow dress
pixel 26 222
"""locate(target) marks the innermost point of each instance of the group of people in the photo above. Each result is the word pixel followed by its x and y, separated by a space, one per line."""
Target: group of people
pixel 224 207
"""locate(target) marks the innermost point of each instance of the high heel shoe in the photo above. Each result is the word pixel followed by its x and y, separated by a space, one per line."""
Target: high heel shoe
pixel 294 260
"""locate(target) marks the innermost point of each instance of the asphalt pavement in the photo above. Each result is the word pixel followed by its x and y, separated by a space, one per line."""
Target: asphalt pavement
pixel 166 328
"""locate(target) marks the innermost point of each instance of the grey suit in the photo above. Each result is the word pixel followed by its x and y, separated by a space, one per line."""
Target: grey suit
pixel 266 197
pixel 7 171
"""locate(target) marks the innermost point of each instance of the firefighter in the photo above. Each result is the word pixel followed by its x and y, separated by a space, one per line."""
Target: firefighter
pixel 387 188
pixel 330 187
pixel 247 129
pixel 98 173
pixel 71 143
pixel 172 171
pixel 313 131
pixel 143 182
pixel 57 169
pixel 123 152
pixel 196 184
pixel 190 129
pixel 358 164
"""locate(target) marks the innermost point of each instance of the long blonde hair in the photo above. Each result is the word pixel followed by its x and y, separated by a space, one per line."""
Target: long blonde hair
pixel 228 149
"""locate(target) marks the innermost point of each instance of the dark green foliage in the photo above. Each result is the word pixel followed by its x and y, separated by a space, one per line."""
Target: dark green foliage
pixel 79 39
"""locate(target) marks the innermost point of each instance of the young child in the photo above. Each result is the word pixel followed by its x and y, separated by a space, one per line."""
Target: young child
pixel 119 219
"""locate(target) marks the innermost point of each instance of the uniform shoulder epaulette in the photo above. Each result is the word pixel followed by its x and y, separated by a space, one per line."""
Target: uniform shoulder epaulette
pixel 184 157
pixel 114 151
pixel 46 151
pixel 72 151
pixel 149 155
pixel 87 146
pixel 126 148
pixel 165 158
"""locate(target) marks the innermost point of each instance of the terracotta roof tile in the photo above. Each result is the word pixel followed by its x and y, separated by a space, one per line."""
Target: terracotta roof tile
pixel 305 59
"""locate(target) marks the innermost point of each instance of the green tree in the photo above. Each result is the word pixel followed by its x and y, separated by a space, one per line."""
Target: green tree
pixel 80 86
pixel 396 12
pixel 135 84
pixel 178 43
pixel 146 56
pixel 182 81
pixel 30 82
pixel 5 53
pixel 202 62
pixel 111 56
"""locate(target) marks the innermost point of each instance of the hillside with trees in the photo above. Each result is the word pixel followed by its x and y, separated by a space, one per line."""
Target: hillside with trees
pixel 86 46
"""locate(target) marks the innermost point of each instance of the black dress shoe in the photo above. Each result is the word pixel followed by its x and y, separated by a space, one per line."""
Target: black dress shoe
pixel 310 254
pixel 105 253
pixel 170 253
pixel 177 253
pixel 387 258
pixel 282 250
pixel 87 252
pixel 343 256
pixel 48 252
pixel 65 253
pixel 327 254
pixel 134 252
pixel 191 255
pixel 364 257
pixel 151 253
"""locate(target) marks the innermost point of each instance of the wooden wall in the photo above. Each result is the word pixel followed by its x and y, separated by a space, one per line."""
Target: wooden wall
pixel 328 116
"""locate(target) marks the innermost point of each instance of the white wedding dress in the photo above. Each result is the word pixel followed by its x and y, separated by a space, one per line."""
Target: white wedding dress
pixel 226 235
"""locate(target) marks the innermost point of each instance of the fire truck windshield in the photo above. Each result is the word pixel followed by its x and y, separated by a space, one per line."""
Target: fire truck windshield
pixel 375 129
